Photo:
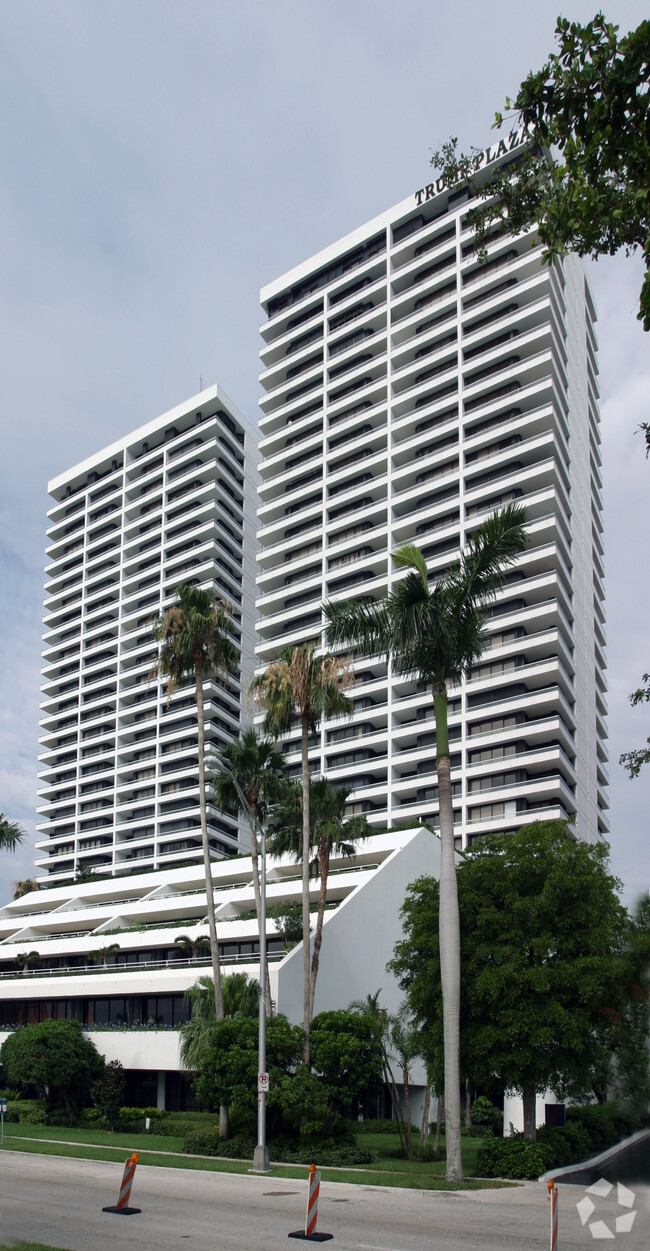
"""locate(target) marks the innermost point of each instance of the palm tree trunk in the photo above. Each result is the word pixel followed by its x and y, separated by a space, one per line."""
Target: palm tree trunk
pixel 424 1123
pixel 306 970
pixel 324 860
pixel 407 1106
pixel 468 1104
pixel 439 1112
pixel 392 1090
pixel 449 937
pixel 258 898
pixel 209 889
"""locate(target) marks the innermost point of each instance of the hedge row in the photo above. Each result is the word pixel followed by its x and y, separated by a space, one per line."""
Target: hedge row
pixel 325 1152
pixel 588 1131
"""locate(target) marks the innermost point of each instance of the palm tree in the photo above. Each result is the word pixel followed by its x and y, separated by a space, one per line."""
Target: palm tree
pixel 192 946
pixel 252 768
pixel 240 998
pixel 301 686
pixel 437 634
pixel 382 1023
pixel 330 832
pixel 11 833
pixel 27 960
pixel 405 1039
pixel 102 953
pixel 196 643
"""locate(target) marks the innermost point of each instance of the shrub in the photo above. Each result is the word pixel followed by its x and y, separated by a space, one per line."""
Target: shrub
pixel 604 1123
pixel 208 1142
pixel 28 1111
pixel 485 1115
pixel 510 1157
pixel 319 1151
pixel 565 1144
pixel 378 1125
pixel 325 1151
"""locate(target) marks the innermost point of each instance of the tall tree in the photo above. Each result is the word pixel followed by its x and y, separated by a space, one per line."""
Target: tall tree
pixel 437 634
pixel 240 998
pixel 251 767
pixel 330 832
pixel 56 1057
pixel 11 833
pixel 301 686
pixel 381 1023
pixel 196 644
pixel 543 949
pixel 584 182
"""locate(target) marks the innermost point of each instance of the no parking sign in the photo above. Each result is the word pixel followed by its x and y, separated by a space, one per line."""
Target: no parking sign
pixel 262 1083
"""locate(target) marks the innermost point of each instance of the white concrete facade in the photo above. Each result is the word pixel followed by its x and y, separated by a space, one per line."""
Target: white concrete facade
pixel 172 502
pixel 143 982
pixel 408 392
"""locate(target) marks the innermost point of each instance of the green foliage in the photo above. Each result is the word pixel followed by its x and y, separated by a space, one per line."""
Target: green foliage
pixel 511 1157
pixel 542 939
pixel 240 998
pixel 634 760
pixel 11 833
pixel 606 1123
pixel 484 1115
pixel 589 1130
pixel 589 106
pixel 107 1093
pixel 254 767
pixel 299 1104
pixel 327 822
pixel 56 1055
pixel 345 1052
pixel 322 1151
pixel 227 1073
pixel 377 1125
pixel 435 633
pixel 288 921
pixel 28 1111
pixel 196 638
pixel 208 1142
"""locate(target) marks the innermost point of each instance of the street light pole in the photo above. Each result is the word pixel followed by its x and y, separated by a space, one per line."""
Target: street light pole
pixel 261 1154
pixel 261 1162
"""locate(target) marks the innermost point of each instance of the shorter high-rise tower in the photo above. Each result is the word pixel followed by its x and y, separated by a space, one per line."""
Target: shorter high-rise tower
pixel 174 502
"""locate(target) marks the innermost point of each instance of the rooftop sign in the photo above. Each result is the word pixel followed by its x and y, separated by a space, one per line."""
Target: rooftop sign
pixel 488 156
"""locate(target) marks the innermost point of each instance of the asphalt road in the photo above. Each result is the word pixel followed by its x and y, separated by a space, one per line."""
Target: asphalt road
pixel 57 1201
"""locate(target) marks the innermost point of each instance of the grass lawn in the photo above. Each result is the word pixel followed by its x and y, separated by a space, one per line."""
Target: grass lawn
pixel 28 1246
pixel 91 1144
pixel 385 1145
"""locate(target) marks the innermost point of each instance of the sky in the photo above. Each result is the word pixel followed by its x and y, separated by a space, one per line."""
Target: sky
pixel 159 163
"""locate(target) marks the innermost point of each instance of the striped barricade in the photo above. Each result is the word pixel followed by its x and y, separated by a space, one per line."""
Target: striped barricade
pixel 553 1195
pixel 313 1191
pixel 122 1206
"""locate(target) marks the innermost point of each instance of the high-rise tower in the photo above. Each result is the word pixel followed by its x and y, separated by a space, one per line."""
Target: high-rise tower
pixel 409 391
pixel 173 502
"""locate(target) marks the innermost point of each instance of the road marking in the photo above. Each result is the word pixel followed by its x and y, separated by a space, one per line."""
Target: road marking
pixel 369 1246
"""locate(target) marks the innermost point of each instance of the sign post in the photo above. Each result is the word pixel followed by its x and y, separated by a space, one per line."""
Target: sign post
pixel 3 1109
